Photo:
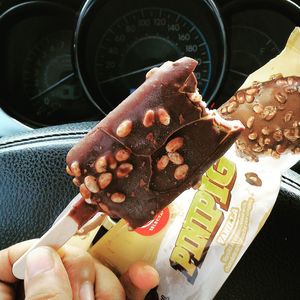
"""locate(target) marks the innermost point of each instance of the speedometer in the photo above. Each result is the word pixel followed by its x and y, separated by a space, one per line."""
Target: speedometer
pixel 118 42
pixel 37 81
pixel 144 39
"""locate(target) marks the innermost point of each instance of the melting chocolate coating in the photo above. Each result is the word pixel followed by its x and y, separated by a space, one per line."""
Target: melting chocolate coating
pixel 270 112
pixel 153 146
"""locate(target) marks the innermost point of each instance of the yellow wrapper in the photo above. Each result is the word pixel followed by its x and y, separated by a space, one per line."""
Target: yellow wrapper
pixel 197 241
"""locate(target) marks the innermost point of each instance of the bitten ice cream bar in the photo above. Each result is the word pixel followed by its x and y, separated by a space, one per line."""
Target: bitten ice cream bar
pixel 156 144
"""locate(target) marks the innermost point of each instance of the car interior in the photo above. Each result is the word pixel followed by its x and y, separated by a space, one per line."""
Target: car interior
pixel 65 64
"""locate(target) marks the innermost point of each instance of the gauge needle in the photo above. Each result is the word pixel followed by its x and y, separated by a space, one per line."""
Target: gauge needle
pixel 130 73
pixel 53 86
pixel 238 73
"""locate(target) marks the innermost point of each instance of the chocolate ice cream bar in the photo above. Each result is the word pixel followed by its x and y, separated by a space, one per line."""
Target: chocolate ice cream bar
pixel 152 147
pixel 270 112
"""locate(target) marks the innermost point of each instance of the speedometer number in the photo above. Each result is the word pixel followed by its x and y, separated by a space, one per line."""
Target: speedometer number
pixel 184 37
pixel 173 27
pixel 192 48
pixel 159 22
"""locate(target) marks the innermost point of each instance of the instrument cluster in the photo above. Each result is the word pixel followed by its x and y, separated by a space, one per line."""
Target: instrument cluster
pixel 73 61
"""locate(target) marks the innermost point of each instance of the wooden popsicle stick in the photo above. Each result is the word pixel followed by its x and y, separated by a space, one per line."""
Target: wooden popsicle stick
pixel 62 230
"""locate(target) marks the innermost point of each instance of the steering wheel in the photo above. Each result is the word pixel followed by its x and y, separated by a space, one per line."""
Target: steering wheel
pixel 35 188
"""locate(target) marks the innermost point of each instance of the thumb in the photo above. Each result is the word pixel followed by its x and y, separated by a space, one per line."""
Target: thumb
pixel 45 276
pixel 139 280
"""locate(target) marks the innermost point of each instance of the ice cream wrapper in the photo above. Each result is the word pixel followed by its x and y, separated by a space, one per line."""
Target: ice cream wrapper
pixel 196 242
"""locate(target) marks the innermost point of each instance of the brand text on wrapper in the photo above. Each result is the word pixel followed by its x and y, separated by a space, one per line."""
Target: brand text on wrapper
pixel 204 218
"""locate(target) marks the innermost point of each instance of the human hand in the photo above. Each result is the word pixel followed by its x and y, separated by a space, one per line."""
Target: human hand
pixel 71 273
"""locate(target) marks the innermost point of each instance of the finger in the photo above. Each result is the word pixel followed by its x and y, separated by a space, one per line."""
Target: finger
pixel 45 276
pixel 80 267
pixel 9 256
pixel 139 280
pixel 6 292
pixel 107 285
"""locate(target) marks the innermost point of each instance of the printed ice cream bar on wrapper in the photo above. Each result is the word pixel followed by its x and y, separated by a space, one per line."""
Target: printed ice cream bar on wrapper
pixel 268 105
pixel 152 147
pixel 271 114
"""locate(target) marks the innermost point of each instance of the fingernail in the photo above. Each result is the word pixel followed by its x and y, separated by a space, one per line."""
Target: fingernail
pixel 145 277
pixel 87 291
pixel 38 261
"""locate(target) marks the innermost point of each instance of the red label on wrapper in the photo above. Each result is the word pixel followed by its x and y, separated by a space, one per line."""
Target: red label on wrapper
pixel 156 225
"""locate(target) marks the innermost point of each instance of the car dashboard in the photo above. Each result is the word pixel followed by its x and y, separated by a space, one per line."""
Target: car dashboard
pixel 72 61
